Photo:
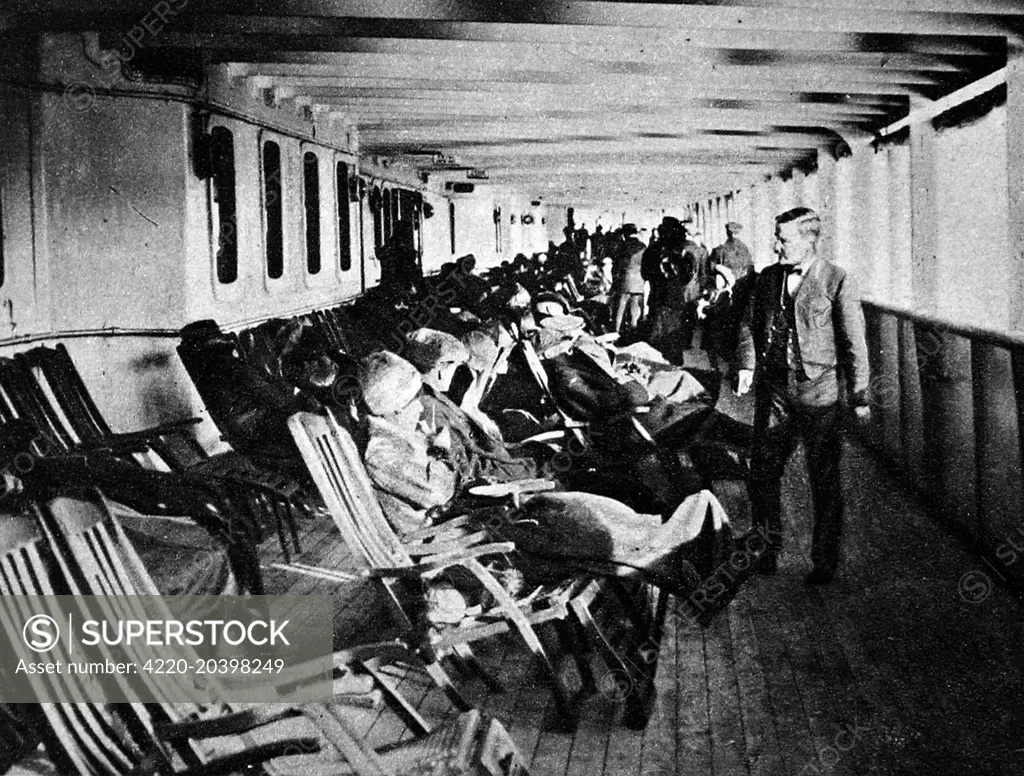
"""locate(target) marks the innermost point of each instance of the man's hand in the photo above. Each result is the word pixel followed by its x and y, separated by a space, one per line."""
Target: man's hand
pixel 744 381
pixel 862 413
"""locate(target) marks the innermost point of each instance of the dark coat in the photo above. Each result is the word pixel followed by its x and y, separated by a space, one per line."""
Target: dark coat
pixel 829 325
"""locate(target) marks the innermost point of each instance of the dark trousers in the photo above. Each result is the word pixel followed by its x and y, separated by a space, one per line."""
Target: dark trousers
pixel 667 332
pixel 689 326
pixel 778 422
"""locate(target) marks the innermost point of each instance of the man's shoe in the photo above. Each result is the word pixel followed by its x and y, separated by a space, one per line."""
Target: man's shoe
pixel 767 564
pixel 820 575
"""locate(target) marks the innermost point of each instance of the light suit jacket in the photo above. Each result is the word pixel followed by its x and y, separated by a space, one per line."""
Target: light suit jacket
pixel 829 325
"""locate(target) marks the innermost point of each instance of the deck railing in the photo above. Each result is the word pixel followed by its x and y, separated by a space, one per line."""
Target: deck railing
pixel 948 410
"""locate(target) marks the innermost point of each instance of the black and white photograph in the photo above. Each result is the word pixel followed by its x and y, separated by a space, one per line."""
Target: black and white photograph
pixel 512 387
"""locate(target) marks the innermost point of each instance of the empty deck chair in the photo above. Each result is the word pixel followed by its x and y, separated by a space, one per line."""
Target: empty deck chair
pixel 85 552
pixel 53 370
pixel 339 474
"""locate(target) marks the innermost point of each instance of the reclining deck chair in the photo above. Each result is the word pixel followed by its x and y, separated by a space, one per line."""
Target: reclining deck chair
pixel 74 546
pixel 339 474
pixel 52 368
pixel 714 442
pixel 38 455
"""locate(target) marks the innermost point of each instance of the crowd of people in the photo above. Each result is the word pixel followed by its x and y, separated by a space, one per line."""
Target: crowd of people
pixel 586 375
pixel 663 297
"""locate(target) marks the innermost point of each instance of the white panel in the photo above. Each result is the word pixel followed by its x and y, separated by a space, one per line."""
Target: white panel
pixel 972 250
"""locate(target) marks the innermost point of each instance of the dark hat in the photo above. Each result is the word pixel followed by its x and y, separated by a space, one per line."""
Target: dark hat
pixel 206 333
pixel 628 229
pixel 733 226
pixel 200 329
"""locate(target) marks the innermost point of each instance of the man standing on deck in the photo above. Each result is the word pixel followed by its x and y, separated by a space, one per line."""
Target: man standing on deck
pixel 802 335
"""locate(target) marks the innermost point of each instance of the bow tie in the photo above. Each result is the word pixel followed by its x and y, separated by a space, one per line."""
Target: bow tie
pixel 792 269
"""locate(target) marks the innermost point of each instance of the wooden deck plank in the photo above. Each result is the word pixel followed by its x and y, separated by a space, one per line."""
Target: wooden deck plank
pixel 761 739
pixel 728 740
pixel 658 753
pixel 693 734
pixel 782 698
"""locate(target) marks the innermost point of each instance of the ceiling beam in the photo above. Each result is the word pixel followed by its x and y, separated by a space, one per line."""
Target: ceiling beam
pixel 984 19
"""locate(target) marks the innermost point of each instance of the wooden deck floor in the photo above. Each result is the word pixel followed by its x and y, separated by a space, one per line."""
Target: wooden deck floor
pixel 887 671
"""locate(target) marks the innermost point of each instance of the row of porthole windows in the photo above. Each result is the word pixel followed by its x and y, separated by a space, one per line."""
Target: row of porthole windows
pixel 390 207
pixel 225 208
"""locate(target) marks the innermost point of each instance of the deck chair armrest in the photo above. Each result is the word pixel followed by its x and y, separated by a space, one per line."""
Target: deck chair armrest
pixel 432 565
pixel 434 530
pixel 154 432
pixel 229 724
pixel 387 652
pixel 114 446
pixel 442 545
pixel 240 762
pixel 350 663
pixel 443 560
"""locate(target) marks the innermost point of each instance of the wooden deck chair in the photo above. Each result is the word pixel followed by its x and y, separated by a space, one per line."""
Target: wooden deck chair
pixel 86 553
pixel 175 447
pixel 715 456
pixel 572 427
pixel 341 477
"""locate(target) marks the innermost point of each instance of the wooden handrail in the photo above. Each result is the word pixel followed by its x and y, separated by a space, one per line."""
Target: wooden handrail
pixel 1009 340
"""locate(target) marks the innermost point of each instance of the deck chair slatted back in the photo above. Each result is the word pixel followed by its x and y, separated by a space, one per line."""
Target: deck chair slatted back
pixel 84 737
pixel 56 375
pixel 27 401
pixel 339 473
pixel 45 371
pixel 540 376
pixel 102 741
pixel 100 559
pixel 55 367
pixel 347 490
pixel 95 557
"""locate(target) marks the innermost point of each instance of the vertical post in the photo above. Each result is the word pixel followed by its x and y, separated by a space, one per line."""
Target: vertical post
pixel 1015 179
pixel 924 216
pixel 828 203
pixel 878 258
pixel 762 226
pixel 899 292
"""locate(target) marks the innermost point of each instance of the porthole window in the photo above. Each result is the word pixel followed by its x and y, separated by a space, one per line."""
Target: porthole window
pixel 344 231
pixel 451 223
pixel 387 213
pixel 311 201
pixel 224 204
pixel 378 220
pixel 273 234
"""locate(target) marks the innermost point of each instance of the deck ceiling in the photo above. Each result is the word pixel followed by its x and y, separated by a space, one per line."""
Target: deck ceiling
pixel 585 101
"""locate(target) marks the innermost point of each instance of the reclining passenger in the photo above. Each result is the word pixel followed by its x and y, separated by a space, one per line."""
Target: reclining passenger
pixel 407 463
pixel 474 452
pixel 488 351
pixel 249 407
